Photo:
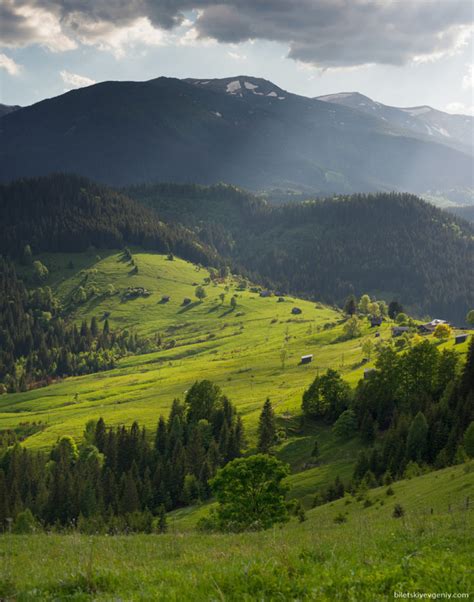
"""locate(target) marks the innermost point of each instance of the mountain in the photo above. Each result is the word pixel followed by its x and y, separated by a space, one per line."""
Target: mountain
pixel 241 130
pixel 5 109
pixel 387 245
pixel 455 130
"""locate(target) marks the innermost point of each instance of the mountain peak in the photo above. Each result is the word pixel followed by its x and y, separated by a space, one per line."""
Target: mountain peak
pixel 241 85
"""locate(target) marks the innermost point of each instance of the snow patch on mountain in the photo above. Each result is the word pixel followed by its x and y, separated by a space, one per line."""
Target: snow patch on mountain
pixel 233 87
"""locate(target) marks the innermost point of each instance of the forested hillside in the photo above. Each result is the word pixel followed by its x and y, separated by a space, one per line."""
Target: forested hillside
pixel 71 213
pixel 391 245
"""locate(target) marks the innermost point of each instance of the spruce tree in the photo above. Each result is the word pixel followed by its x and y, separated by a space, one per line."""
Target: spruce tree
pixel 266 428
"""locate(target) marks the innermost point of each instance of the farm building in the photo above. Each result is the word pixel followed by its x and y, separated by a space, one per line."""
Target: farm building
pixel 307 359
pixel 460 338
pixel 399 330
pixel 296 310
pixel 430 326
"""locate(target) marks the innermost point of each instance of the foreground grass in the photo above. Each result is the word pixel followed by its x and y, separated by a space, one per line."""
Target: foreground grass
pixel 366 558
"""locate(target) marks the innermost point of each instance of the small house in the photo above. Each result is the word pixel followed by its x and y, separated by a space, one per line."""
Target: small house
pixel 399 330
pixel 460 338
pixel 307 359
pixel 430 326
pixel 368 372
pixel 375 321
pixel 296 310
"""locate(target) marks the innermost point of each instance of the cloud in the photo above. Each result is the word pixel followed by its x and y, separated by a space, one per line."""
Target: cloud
pixel 76 81
pixel 468 79
pixel 9 65
pixel 23 24
pixel 325 33
pixel 460 108
pixel 236 56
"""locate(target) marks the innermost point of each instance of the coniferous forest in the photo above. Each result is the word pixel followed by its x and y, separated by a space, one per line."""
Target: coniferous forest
pixel 38 345
pixel 122 479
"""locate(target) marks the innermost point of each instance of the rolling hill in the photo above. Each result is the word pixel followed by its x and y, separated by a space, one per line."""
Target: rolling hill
pixel 241 130
pixel 388 245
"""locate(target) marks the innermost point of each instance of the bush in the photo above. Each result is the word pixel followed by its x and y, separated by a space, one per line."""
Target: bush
pixel 25 523
pixel 398 511
pixel 340 518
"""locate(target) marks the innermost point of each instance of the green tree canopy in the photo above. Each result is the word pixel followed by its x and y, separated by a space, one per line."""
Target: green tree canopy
pixel 200 293
pixel 327 396
pixel 250 493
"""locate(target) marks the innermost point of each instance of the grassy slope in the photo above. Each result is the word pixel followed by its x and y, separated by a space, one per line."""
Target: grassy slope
pixel 239 350
pixel 365 559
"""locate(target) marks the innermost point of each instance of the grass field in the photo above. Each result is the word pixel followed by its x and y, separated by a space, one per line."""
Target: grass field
pixel 238 349
pixel 367 558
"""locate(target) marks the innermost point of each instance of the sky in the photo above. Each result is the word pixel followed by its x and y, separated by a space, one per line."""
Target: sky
pixel 399 52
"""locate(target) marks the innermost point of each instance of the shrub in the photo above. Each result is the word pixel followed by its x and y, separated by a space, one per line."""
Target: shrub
pixel 398 511
pixel 25 523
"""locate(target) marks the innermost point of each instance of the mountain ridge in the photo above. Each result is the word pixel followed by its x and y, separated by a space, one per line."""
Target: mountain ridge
pixel 168 129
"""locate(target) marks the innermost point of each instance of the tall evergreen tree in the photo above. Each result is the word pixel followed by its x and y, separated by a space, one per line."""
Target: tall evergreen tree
pixel 266 428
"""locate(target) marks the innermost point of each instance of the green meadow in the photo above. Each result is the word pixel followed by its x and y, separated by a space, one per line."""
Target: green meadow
pixel 240 349
pixel 352 550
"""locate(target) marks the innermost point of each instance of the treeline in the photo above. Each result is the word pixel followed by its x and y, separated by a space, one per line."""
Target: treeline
pixel 422 403
pixel 123 479
pixel 393 243
pixel 67 213
pixel 37 345
pixel 415 412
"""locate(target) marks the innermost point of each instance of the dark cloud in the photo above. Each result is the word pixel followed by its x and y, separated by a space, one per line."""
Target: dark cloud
pixel 327 33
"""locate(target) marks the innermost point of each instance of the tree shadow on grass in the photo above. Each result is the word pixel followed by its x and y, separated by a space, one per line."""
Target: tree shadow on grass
pixel 187 307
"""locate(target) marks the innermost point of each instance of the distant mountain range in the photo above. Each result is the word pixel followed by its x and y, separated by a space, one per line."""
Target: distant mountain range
pixel 241 130
pixel 454 130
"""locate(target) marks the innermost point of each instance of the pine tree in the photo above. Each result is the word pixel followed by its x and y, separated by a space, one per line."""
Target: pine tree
pixel 161 437
pixel 417 438
pixel 266 428
pixel 162 522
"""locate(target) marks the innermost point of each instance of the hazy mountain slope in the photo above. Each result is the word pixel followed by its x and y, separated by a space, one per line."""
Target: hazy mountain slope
pixel 455 130
pixel 466 213
pixel 5 109
pixel 171 130
pixel 386 244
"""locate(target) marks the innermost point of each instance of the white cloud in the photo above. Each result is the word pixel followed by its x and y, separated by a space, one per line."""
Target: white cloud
pixel 468 79
pixel 76 81
pixel 460 108
pixel 236 56
pixel 9 64
pixel 105 36
pixel 40 26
